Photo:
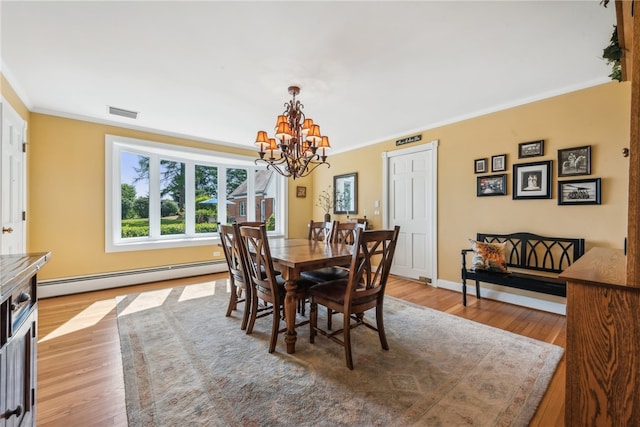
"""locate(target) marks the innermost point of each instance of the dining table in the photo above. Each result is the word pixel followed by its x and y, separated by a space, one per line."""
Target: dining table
pixel 293 256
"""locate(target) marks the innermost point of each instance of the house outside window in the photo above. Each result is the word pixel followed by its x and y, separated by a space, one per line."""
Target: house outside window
pixel 265 190
pixel 160 195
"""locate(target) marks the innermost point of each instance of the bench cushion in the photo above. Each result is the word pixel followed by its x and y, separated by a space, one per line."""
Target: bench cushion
pixel 488 256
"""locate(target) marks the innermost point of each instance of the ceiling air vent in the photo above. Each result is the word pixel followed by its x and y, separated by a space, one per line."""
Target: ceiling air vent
pixel 122 112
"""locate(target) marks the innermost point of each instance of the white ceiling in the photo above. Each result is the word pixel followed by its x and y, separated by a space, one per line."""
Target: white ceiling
pixel 369 71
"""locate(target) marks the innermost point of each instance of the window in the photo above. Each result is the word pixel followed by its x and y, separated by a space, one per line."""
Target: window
pixel 160 195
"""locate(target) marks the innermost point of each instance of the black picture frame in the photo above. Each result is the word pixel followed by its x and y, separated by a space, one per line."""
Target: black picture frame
pixel 345 194
pixel 579 192
pixel 480 166
pixel 532 180
pixel 491 185
pixel 574 161
pixel 499 163
pixel 531 149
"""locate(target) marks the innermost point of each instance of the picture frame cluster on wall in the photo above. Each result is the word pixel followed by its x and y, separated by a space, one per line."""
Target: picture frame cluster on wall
pixel 576 161
pixel 491 185
pixel 534 180
pixel 498 164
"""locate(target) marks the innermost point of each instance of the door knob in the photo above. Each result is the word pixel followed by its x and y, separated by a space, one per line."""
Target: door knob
pixel 7 230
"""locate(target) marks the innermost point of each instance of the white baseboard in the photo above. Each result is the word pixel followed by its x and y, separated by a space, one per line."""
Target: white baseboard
pixel 95 282
pixel 550 303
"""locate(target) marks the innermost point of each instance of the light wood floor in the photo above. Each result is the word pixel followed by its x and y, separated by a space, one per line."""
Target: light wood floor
pixel 80 371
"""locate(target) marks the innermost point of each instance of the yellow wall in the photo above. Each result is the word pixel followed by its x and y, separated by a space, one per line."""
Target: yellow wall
pixel 66 182
pixel 597 116
pixel 66 161
pixel 300 209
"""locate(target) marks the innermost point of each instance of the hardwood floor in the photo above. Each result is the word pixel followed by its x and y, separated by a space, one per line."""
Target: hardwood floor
pixel 80 371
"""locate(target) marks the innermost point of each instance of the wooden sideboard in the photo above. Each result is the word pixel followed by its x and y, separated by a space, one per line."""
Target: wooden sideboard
pixel 603 342
pixel 18 337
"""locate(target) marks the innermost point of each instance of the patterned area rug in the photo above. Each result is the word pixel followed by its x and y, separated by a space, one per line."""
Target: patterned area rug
pixel 187 364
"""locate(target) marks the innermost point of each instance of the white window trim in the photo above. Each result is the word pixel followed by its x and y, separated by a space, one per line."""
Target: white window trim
pixel 115 144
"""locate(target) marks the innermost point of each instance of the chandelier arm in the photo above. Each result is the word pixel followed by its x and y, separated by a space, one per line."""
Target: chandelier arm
pixel 309 170
pixel 277 169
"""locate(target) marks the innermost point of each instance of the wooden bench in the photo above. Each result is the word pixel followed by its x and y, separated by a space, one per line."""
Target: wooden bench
pixel 527 253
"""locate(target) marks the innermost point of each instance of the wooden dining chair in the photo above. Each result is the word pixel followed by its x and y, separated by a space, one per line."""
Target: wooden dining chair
pixel 265 284
pixel 362 291
pixel 321 231
pixel 342 232
pixel 345 232
pixel 240 292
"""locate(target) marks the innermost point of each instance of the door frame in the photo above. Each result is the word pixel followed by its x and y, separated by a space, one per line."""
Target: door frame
pixel 433 168
pixel 7 109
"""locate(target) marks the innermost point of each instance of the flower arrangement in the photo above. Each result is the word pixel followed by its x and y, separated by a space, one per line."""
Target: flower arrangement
pixel 325 200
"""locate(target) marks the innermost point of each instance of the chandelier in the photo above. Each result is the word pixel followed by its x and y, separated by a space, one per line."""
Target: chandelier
pixel 299 148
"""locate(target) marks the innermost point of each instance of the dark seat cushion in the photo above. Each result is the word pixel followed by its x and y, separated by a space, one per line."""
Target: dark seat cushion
pixel 303 286
pixel 333 291
pixel 326 274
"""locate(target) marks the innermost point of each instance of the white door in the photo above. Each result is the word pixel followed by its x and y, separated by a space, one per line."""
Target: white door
pixel 12 188
pixel 410 202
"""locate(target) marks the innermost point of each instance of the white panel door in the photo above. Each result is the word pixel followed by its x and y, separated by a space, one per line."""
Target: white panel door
pixel 411 205
pixel 12 188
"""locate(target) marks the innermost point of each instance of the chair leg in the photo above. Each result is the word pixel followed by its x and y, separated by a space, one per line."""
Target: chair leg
pixel 275 325
pixel 478 289
pixel 464 292
pixel 247 309
pixel 254 312
pixel 302 303
pixel 346 334
pixel 380 327
pixel 313 321
pixel 233 298
pixel 329 316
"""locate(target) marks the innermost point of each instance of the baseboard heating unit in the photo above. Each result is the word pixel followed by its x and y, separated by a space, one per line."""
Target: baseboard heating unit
pixel 95 282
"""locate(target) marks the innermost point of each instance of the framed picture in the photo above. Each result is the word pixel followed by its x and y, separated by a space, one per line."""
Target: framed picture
pixel 345 194
pixel 301 191
pixel 531 149
pixel 574 161
pixel 491 185
pixel 579 192
pixel 532 180
pixel 499 163
pixel 480 166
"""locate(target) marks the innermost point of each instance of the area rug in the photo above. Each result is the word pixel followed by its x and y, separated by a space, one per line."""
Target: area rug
pixel 186 364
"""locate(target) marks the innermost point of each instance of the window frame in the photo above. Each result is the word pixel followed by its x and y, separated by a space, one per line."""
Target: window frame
pixel 157 151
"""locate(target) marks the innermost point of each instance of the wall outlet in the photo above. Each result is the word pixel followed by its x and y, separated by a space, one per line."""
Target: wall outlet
pixel 216 253
pixel 376 212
